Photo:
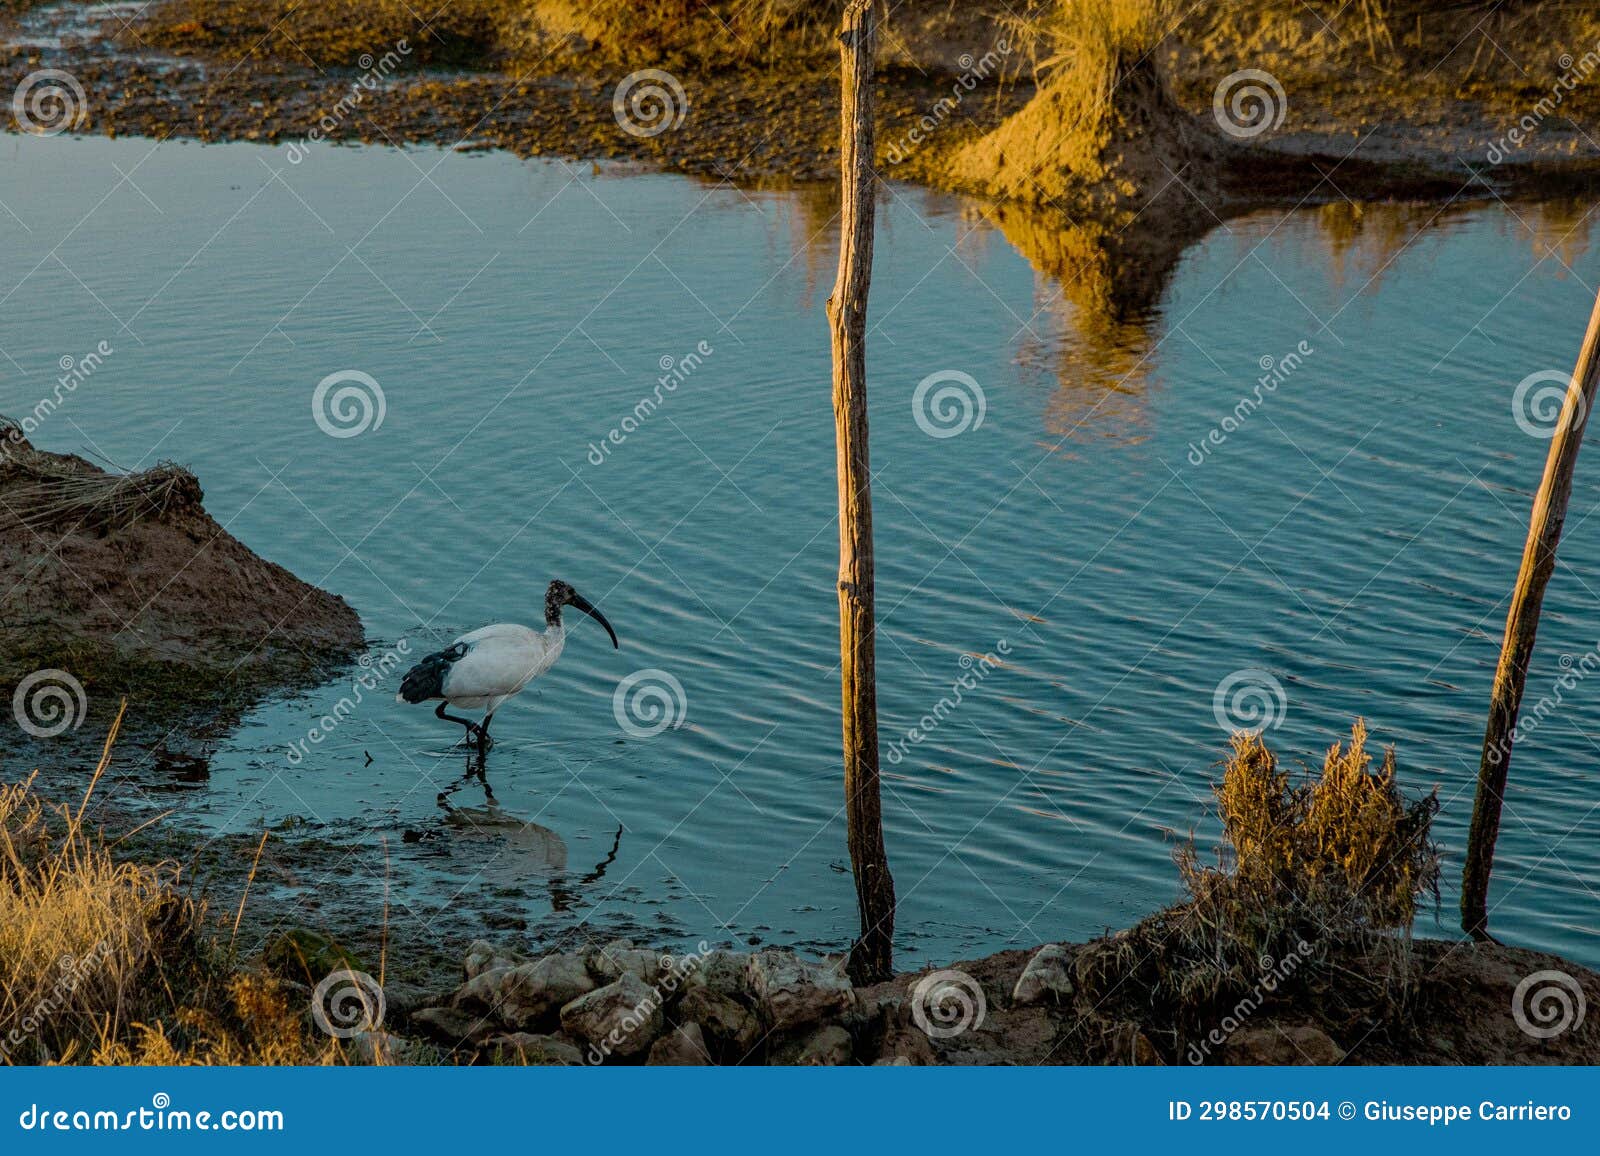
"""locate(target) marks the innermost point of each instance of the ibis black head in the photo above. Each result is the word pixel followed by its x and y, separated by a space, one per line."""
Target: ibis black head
pixel 560 594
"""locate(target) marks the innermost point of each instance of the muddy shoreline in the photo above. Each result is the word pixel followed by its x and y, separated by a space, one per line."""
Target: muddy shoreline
pixel 750 127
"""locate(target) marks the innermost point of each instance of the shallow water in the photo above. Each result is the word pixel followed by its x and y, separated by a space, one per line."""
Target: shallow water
pixel 1355 536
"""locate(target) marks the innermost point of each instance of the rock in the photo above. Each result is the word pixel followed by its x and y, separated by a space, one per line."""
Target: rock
pixel 452 1027
pixel 1046 976
pixel 483 956
pixel 903 1045
pixel 530 1050
pixel 483 992
pixel 401 999
pixel 308 956
pixel 610 962
pixel 377 1048
pixel 726 973
pixel 795 993
pixel 731 1029
pixel 1299 1044
pixel 683 1046
pixel 620 1019
pixel 829 1046
pixel 529 996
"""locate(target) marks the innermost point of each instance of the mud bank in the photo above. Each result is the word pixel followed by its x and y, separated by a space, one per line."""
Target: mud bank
pixel 125 583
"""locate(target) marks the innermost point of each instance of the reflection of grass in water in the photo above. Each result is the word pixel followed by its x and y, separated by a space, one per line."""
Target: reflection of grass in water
pixel 1098 289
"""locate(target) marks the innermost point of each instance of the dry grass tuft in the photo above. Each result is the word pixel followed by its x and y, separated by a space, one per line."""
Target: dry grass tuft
pixel 104 961
pixel 1310 903
pixel 1103 126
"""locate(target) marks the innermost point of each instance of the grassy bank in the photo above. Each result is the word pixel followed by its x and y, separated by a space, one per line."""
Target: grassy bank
pixel 107 961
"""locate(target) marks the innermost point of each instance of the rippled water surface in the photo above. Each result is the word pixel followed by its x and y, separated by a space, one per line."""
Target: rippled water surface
pixel 1354 537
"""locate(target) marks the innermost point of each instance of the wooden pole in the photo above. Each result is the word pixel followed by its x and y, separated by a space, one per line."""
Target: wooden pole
pixel 872 956
pixel 1522 623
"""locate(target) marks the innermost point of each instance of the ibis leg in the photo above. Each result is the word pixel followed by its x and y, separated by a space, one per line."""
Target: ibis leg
pixel 472 727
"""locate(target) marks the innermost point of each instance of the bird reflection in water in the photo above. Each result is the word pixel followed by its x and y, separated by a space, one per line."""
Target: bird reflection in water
pixel 564 898
pixel 531 849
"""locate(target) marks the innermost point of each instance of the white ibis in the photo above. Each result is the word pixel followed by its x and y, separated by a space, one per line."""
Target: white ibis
pixel 480 670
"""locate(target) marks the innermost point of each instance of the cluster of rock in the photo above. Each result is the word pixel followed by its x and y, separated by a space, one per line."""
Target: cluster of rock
pixel 621 1004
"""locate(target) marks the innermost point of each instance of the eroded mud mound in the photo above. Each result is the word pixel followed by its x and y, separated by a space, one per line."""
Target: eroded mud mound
pixel 102 574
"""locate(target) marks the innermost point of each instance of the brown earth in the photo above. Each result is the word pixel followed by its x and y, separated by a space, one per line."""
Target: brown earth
pixel 124 580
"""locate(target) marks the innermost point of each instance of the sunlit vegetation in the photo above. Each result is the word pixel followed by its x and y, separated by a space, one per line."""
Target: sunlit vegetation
pixel 1310 901
pixel 107 961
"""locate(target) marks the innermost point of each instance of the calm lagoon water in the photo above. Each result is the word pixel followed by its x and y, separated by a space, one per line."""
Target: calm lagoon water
pixel 1354 537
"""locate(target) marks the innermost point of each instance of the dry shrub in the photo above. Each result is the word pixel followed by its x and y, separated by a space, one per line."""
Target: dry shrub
pixel 1346 843
pixel 1309 904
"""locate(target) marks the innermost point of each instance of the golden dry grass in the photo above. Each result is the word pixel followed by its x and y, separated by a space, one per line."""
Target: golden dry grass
pixel 1103 125
pixel 105 962
pixel 1312 897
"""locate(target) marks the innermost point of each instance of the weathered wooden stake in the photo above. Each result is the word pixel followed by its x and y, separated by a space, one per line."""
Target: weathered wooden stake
pixel 1522 623
pixel 872 956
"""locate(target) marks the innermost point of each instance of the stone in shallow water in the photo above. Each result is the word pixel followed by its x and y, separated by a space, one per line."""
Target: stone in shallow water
pixel 484 956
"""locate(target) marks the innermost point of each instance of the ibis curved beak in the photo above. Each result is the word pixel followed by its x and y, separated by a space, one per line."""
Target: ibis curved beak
pixel 593 611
